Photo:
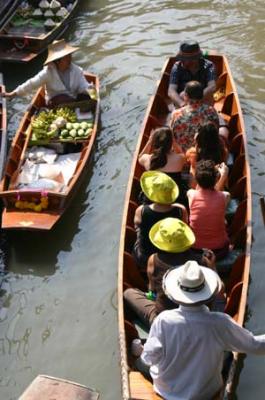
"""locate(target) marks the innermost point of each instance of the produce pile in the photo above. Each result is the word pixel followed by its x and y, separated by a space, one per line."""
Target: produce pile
pixel 59 125
pixel 47 14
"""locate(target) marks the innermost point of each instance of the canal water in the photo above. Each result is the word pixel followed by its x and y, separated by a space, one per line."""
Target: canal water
pixel 59 312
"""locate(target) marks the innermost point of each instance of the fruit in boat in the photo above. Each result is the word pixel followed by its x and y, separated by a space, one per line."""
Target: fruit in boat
pixel 81 132
pixel 73 133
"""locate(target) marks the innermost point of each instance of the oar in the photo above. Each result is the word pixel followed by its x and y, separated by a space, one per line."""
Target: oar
pixel 262 206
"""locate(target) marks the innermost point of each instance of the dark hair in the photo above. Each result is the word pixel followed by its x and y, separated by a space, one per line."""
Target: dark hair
pixel 209 144
pixel 161 145
pixel 194 90
pixel 206 174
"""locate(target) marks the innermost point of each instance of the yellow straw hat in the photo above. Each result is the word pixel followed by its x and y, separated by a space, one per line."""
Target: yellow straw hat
pixel 171 235
pixel 59 49
pixel 159 187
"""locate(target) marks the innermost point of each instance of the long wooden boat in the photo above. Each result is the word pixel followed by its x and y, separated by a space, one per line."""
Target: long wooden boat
pixel 134 384
pixel 24 43
pixel 48 387
pixel 23 218
pixel 7 9
pixel 3 127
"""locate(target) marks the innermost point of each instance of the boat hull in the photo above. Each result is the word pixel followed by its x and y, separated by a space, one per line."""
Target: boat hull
pixel 24 45
pixel 134 383
pixel 14 218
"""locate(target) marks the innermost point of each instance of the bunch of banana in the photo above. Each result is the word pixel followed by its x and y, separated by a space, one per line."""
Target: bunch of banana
pixel 68 114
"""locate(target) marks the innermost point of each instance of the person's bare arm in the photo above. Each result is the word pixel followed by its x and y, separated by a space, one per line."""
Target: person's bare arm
pixel 209 90
pixel 184 212
pixel 223 170
pixel 174 96
pixel 138 216
pixel 150 272
pixel 142 158
pixel 9 94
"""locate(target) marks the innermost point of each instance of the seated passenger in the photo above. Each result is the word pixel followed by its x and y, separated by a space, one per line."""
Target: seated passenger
pixel 158 154
pixel 64 81
pixel 185 347
pixel 173 240
pixel 186 120
pixel 209 145
pixel 191 66
pixel 207 210
pixel 162 191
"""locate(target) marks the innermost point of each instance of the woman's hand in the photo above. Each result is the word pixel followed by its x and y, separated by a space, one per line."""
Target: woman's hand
pixel 9 94
pixel 223 169
pixel 208 257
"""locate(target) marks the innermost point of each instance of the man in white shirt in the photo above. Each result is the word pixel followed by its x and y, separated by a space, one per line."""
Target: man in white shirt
pixel 185 346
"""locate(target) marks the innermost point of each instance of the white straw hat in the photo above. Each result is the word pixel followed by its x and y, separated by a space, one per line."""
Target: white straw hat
pixel 59 49
pixel 191 284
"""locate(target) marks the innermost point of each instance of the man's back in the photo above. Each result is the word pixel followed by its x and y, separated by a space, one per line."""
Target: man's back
pixel 190 360
pixel 185 348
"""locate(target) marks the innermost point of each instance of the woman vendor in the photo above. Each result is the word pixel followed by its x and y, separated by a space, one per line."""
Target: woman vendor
pixel 63 80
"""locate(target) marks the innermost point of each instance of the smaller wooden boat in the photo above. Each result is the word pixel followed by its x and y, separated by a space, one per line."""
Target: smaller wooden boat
pixel 47 387
pixel 24 37
pixel 3 127
pixel 22 206
pixel 7 9
pixel 134 384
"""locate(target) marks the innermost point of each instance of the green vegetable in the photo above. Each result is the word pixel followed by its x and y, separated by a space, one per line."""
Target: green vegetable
pixel 64 133
pixel 80 132
pixel 76 125
pixel 84 125
pixel 69 126
pixel 88 132
pixel 73 133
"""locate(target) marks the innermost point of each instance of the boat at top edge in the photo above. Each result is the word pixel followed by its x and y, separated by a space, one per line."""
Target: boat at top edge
pixel 134 384
pixel 3 127
pixel 7 9
pixel 48 387
pixel 23 43
pixel 59 200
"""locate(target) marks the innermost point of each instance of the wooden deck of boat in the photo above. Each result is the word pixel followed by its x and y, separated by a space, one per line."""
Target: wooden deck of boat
pixel 135 385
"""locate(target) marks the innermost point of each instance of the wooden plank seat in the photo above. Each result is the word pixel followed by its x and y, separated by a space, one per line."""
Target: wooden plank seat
pixel 141 388
pixel 232 305
pixel 132 275
pixel 130 238
pixel 237 170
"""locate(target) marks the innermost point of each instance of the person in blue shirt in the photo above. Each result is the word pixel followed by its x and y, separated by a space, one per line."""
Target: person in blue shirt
pixel 190 65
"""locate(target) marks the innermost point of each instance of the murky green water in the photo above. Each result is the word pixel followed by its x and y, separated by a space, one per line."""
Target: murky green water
pixel 59 315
